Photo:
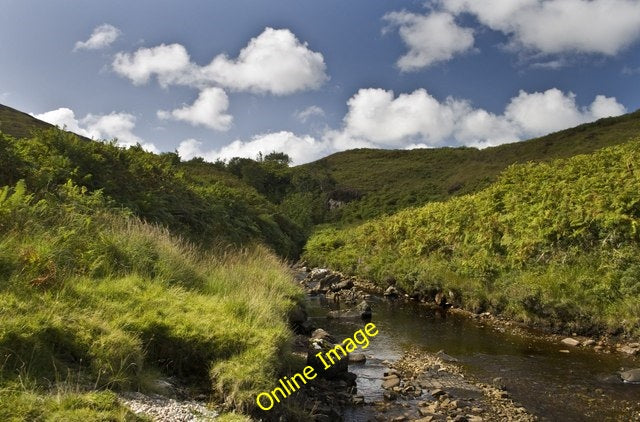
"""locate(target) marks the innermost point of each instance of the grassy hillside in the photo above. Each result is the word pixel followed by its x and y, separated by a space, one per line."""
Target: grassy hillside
pixel 118 269
pixel 19 124
pixel 391 180
pixel 93 298
pixel 152 187
pixel 555 243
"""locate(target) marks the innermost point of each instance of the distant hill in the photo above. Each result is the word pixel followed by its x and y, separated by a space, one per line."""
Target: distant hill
pixel 367 183
pixel 555 243
pixel 19 124
pixel 390 180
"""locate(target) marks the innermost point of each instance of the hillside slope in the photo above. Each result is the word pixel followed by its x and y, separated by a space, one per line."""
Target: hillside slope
pixel 390 180
pixel 555 243
pixel 118 271
pixel 18 124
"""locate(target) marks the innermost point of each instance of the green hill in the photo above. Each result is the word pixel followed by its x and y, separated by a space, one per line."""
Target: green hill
pixel 120 269
pixel 19 124
pixel 555 243
pixel 386 181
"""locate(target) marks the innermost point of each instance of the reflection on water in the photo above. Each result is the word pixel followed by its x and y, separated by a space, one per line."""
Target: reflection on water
pixel 581 385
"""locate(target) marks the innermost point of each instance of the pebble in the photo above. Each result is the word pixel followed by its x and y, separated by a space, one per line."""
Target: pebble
pixel 162 409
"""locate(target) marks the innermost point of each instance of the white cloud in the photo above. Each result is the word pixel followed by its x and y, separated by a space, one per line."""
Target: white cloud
pixel 432 38
pixel 627 70
pixel 64 118
pixel 377 117
pixel 208 110
pixel 301 149
pixel 558 26
pixel 606 107
pixel 169 63
pixel 101 37
pixel 105 126
pixel 309 112
pixel 274 62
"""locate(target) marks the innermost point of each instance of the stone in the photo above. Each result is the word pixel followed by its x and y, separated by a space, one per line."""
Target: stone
pixel 437 392
pixel 342 285
pixel 338 370
pixel 365 310
pixel 628 350
pixel 320 334
pixel 424 412
pixel 632 375
pixel 392 381
pixel 428 418
pixel 391 292
pixel 445 357
pixel 389 395
pixel 357 358
pixel 570 342
pixel 589 342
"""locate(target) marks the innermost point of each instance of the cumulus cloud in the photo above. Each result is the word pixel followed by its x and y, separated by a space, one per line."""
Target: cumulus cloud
pixel 169 63
pixel 274 62
pixel 101 37
pixel 64 118
pixel 432 38
pixel 101 126
pixel 308 113
pixel 377 116
pixel 208 110
pixel 301 149
pixel 558 26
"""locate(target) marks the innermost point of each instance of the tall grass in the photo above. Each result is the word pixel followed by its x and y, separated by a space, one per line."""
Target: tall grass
pixel 92 296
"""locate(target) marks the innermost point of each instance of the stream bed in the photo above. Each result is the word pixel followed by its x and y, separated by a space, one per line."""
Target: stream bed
pixel 581 385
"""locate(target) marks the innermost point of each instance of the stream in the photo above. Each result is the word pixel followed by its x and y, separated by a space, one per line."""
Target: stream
pixel 581 385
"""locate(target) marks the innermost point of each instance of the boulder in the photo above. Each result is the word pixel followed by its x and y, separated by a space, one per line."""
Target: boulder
pixel 632 375
pixel 320 334
pixel 629 350
pixel 357 358
pixel 570 342
pixel 390 382
pixel 445 357
pixel 365 310
pixel 337 370
pixel 391 292
pixel 342 285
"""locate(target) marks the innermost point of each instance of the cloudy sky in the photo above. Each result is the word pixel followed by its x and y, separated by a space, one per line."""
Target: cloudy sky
pixel 233 78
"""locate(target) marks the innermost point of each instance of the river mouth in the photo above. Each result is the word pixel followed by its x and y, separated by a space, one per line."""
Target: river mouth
pixel 581 385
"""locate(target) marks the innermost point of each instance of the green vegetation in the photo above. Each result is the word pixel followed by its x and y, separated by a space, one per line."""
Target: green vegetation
pixel 553 243
pixel 19 124
pixel 219 209
pixel 117 269
pixel 381 182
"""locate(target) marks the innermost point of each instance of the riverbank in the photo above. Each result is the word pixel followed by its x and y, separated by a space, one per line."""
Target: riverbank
pixel 322 280
pixel 530 369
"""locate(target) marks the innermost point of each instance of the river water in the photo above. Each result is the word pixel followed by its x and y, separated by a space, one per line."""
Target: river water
pixel 578 386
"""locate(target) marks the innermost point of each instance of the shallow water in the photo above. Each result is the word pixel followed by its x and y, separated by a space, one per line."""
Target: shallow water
pixel 579 386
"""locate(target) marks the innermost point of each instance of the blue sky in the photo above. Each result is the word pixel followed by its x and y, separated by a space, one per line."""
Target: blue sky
pixel 225 78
